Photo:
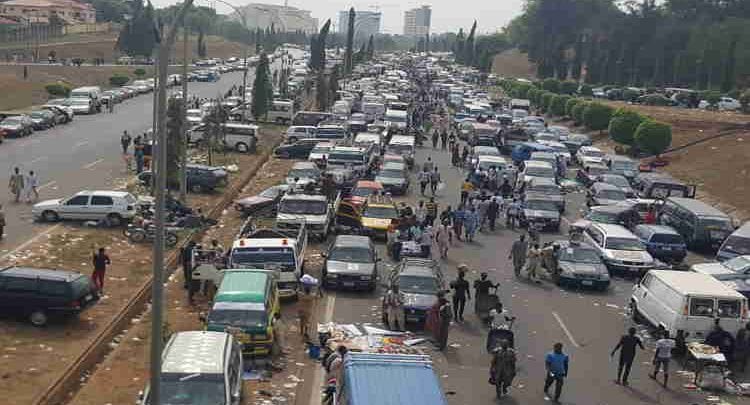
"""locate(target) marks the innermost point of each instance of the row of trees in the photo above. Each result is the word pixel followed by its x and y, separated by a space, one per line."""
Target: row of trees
pixel 635 131
pixel 698 43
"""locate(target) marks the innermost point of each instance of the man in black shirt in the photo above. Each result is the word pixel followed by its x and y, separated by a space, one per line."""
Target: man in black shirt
pixel 627 346
pixel 482 288
pixel 460 293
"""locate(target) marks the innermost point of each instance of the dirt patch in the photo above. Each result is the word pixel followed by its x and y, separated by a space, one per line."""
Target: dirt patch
pixel 513 63
pixel 31 358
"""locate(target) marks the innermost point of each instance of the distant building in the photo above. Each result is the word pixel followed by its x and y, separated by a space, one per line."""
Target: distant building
pixel 40 11
pixel 417 21
pixel 366 23
pixel 283 18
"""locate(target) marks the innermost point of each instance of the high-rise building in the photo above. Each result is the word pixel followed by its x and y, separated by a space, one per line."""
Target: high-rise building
pixel 283 18
pixel 366 23
pixel 417 21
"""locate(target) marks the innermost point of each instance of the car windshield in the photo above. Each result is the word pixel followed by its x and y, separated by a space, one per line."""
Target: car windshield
pixel 400 149
pixel 540 171
pixel 541 205
pixel 417 285
pixel 78 101
pixel 395 174
pixel 738 245
pixel 309 207
pixel 739 264
pixel 668 238
pixel 304 173
pixel 260 256
pixel 395 118
pixel 578 255
pixel 624 165
pixel 363 191
pixel 611 195
pixel 617 181
pixel 602 217
pixel 716 223
pixel 38 114
pixel 192 389
pixel 272 192
pixel 321 149
pixel 350 254
pixel 380 212
pixel 13 121
pixel 241 318
pixel 353 158
pixel 593 153
pixel 624 244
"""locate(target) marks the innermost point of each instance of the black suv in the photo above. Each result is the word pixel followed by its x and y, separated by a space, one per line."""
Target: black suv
pixel 38 293
pixel 200 178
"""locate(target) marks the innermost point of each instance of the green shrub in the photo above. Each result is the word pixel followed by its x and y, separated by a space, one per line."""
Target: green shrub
pixel 623 124
pixel 653 136
pixel 596 116
pixel 551 84
pixel 572 102
pixel 558 105
pixel 745 101
pixel 734 93
pixel 578 112
pixel 532 94
pixel 58 89
pixel 630 95
pixel 568 87
pixel 712 98
pixel 657 100
pixel 140 72
pixel 522 90
pixel 118 80
pixel 587 91
pixel 546 101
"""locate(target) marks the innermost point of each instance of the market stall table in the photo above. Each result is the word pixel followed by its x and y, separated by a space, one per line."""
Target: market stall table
pixel 704 355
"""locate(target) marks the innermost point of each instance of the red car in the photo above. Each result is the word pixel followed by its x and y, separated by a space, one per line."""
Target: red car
pixel 364 189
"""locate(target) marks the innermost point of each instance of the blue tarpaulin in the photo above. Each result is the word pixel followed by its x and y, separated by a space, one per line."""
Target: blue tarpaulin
pixel 390 379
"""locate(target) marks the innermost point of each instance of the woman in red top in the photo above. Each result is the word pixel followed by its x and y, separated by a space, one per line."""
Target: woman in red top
pixel 650 217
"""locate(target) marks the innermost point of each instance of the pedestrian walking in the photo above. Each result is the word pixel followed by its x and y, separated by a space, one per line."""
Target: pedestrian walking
pixel 556 363
pixel 443 239
pixel 455 158
pixel 461 293
pixel 506 190
pixel 722 339
pixel 30 187
pixel 434 180
pixel 511 215
pixel 395 309
pixel 125 140
pixel 428 165
pixel 627 345
pixel 445 322
pixel 2 222
pixel 466 187
pixel 186 257
pixel 424 179
pixel 425 242
pixel 420 212
pixel 518 254
pixel 662 356
pixel 306 308
pixel 16 183
pixel 741 342
pixel 534 260
pixel 492 210
pixel 280 329
pixel 458 221
pixel 437 316
pixel 482 206
pixel 443 139
pixel 431 210
pixel 111 106
pixel 471 222
pixel 503 366
pixel 100 261
pixel 139 154
pixel 435 137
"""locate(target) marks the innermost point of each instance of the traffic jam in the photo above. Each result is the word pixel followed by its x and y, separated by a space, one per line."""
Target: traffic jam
pixel 417 164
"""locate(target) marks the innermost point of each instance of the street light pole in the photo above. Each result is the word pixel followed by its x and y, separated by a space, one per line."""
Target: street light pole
pixel 183 132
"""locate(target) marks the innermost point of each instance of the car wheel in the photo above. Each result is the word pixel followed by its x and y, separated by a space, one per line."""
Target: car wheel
pixel 114 220
pixel 38 318
pixel 637 318
pixel 50 216
pixel 241 147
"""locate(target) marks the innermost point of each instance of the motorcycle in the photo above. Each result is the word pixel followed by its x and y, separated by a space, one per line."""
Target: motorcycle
pixel 138 234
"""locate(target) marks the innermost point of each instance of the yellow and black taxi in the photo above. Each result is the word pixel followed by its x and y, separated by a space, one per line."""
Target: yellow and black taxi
pixel 373 217
pixel 244 306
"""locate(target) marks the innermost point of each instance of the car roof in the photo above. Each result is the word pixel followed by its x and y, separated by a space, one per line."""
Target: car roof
pixel 368 184
pixel 698 207
pixel 243 286
pixel 743 231
pixel 613 231
pixel 599 186
pixel 657 229
pixel 418 267
pixel 691 283
pixel 543 181
pixel 304 165
pixel 538 163
pixel 352 240
pixel 589 148
pixel 618 208
pixel 193 352
pixel 111 193
pixel 46 274
pixel 348 149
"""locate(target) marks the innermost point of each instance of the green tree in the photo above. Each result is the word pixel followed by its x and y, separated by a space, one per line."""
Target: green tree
pixel 349 56
pixel 653 137
pixel 468 57
pixel 578 111
pixel 587 90
pixel 568 87
pixel 596 116
pixel 58 89
pixel 140 72
pixel 558 103
pixel 318 47
pixel 630 95
pixel 623 124
pixel 712 98
pixel 139 35
pixel 572 102
pixel 370 52
pixel 262 89
pixel 201 45
pixel 745 101
pixel 118 80
pixel 551 85
pixel 546 102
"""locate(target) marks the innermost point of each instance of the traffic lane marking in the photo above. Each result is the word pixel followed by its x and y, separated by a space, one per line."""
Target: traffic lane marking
pixel 36 160
pixel 79 144
pixel 24 245
pixel 45 185
pixel 92 164
pixel 565 329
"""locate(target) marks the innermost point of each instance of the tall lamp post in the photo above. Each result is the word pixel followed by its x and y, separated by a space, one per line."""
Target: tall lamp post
pixel 243 17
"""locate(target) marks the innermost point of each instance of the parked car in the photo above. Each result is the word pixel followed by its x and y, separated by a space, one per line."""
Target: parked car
pixel 740 265
pixel 42 119
pixel 295 132
pixel 620 250
pixel 351 262
pixel 540 211
pixel 298 149
pixel 200 178
pixel 17 126
pixel 59 104
pixel 62 115
pixel 703 226
pixel 113 207
pixel 266 200
pixel 589 154
pixel 662 242
pixel 81 105
pixel 418 281
pixel 604 194
pixel 579 265
pixel 738 243
pixel 41 293
pixel 618 181
pixel 590 172
pixel 393 178
pixel 725 104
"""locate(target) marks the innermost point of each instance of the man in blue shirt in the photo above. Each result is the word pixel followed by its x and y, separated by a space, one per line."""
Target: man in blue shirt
pixel 556 364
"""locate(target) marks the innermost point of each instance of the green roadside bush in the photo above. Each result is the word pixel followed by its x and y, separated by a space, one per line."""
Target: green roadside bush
pixel 657 100
pixel 546 101
pixel 653 137
pixel 558 105
pixel 712 98
pixel 140 72
pixel 58 89
pixel 623 125
pixel 572 102
pixel 118 80
pixel 568 87
pixel 552 85
pixel 587 91
pixel 630 95
pixel 578 112
pixel 745 101
pixel 596 116
pixel 532 94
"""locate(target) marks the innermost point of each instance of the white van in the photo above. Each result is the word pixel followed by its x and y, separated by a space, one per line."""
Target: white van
pixel 396 120
pixel 89 92
pixel 342 107
pixel 373 111
pixel 281 112
pixel 402 145
pixel 367 140
pixel 689 302
pixel 241 137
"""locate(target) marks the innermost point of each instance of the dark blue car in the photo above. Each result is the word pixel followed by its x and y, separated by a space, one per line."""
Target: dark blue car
pixel 662 242
pixel 523 151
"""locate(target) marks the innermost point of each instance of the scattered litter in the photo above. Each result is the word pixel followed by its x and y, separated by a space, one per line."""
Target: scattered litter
pixel 300 364
pixel 454 345
pixel 412 342
pixel 612 306
pixel 290 385
pixel 295 378
pixel 445 375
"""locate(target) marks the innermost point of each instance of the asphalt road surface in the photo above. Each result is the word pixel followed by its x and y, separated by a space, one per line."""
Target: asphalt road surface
pixel 84 154
pixel 588 323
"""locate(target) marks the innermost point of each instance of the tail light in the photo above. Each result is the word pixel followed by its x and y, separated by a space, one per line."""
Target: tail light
pixel 744 310
pixel 75 304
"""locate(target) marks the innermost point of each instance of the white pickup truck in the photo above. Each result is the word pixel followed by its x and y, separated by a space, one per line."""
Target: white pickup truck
pixel 313 210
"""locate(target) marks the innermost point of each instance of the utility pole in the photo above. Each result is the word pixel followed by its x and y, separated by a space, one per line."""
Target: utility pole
pixel 185 125
pixel 160 174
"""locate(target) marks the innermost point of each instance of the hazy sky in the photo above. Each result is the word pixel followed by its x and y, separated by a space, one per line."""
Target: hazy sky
pixel 447 15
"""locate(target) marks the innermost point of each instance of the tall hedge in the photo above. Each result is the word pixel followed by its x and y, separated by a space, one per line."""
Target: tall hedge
pixel 58 89
pixel 653 136
pixel 558 105
pixel 551 85
pixel 596 116
pixel 578 112
pixel 586 90
pixel 546 100
pixel 623 124
pixel 532 94
pixel 568 87
pixel 572 102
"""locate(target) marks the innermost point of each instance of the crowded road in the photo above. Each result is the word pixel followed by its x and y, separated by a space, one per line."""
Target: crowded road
pixel 588 323
pixel 85 154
